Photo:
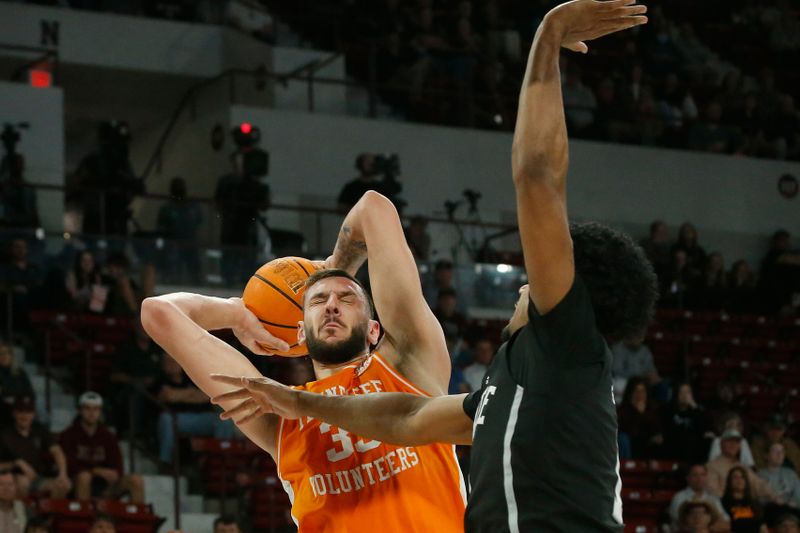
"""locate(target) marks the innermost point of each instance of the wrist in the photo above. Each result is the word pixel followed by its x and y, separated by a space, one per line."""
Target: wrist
pixel 552 29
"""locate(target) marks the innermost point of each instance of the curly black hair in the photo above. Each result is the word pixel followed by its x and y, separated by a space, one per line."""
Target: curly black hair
pixel 621 282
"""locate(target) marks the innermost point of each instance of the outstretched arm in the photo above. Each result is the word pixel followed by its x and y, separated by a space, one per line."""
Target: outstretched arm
pixel 414 341
pixel 540 154
pixel 179 323
pixel 395 418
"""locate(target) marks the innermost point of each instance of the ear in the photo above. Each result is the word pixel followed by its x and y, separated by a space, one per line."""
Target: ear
pixel 301 332
pixel 373 332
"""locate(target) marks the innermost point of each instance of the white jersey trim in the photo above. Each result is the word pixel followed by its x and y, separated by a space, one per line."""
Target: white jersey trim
pixel 508 473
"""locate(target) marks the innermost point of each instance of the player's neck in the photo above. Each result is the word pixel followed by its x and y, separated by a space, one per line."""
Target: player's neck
pixel 324 370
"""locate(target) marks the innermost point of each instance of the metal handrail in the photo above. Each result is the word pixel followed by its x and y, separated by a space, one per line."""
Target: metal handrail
pixel 138 389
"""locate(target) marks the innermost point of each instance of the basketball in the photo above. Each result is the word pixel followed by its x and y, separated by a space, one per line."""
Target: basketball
pixel 275 295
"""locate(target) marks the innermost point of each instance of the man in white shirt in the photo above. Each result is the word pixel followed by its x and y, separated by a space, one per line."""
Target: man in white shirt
pixel 696 479
pixel 482 357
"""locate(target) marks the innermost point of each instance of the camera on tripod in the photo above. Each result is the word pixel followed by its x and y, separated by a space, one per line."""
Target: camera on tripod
pixel 10 136
pixel 472 197
pixel 255 161
pixel 388 165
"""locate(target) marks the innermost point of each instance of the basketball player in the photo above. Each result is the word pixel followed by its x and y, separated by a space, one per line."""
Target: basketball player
pixel 338 481
pixel 543 426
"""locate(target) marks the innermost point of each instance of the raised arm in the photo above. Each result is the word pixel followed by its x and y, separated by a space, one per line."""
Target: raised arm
pixel 394 418
pixel 413 341
pixel 540 154
pixel 180 322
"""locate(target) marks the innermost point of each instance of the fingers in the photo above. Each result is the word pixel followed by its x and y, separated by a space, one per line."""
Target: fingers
pixel 238 394
pixel 241 410
pixel 229 380
pixel 615 4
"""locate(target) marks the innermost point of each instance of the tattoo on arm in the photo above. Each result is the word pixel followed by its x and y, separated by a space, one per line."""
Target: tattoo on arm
pixel 350 253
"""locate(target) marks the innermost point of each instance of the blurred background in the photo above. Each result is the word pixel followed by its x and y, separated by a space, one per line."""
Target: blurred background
pixel 151 146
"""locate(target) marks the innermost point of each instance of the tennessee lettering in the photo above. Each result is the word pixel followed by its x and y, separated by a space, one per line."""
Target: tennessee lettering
pixel 365 474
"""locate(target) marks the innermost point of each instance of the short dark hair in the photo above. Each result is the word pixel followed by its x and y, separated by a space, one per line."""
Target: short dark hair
pixel 621 282
pixel 319 275
pixel 225 520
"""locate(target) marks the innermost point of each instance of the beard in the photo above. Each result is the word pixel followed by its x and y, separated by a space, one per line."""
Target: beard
pixel 505 335
pixel 332 353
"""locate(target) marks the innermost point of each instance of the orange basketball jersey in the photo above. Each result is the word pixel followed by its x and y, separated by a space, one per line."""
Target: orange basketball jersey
pixel 339 482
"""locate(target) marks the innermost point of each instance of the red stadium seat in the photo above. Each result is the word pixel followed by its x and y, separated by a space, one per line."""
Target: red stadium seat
pixel 69 516
pixel 130 517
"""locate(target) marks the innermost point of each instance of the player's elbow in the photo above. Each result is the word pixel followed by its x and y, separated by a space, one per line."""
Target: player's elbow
pixel 538 165
pixel 155 315
pixel 374 202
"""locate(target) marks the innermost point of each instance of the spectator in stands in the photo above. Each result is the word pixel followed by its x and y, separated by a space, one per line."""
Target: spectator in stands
pixel 639 420
pixel 482 358
pixel 12 509
pixel 85 284
pixel 136 365
pixel 685 426
pixel 696 517
pixel 657 247
pixel 720 468
pixel 178 220
pixel 226 524
pixel 419 241
pixel 676 286
pixel 579 102
pixel 241 198
pixel 446 311
pixel 443 278
pixel 14 381
pixel 774 432
pixel 611 118
pixel 23 278
pixel 193 413
pixel 24 446
pixel 780 272
pixel 103 523
pixel 786 523
pixel 105 184
pixel 633 358
pixel 695 254
pixel 714 284
pixel 18 198
pixel 741 502
pixel 712 135
pixel 782 130
pixel 742 295
pixel 731 421
pixel 125 295
pixel 371 177
pixel 696 491
pixel 781 479
pixel 94 459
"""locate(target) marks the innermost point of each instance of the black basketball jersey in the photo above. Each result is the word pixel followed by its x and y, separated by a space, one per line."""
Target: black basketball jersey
pixel 544 451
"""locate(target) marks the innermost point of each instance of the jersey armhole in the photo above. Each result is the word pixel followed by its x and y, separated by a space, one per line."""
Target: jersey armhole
pixel 396 374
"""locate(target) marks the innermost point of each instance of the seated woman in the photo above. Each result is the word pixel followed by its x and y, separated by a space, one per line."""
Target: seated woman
pixel 745 511
pixel 14 381
pixel 85 284
pixel 640 421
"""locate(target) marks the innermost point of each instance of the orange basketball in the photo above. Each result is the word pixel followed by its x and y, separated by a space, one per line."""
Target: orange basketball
pixel 275 295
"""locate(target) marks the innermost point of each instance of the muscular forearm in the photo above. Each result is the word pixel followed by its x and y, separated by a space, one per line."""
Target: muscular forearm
pixel 395 418
pixel 385 417
pixel 540 138
pixel 208 312
pixel 351 246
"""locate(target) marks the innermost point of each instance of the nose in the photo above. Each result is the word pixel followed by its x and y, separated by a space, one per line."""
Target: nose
pixel 332 305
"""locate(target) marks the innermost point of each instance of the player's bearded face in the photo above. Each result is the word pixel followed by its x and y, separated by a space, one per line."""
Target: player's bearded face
pixel 338 350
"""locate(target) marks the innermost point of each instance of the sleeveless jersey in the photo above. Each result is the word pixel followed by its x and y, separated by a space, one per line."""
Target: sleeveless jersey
pixel 338 482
